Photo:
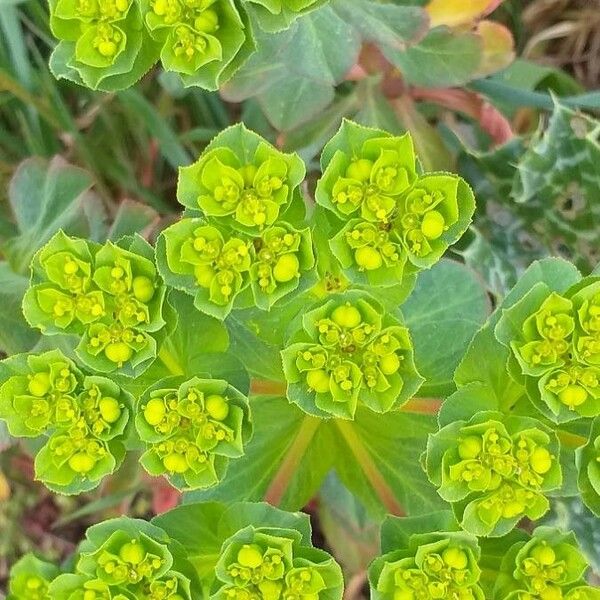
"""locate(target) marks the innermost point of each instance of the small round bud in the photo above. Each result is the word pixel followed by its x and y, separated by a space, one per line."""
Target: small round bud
pixel 360 169
pixel 286 268
pixel 175 463
pixel 208 21
pixel 573 395
pixel 154 412
pixel 470 447
pixel 389 364
pixel 143 288
pixel 368 258
pixel 39 384
pixel 433 225
pixel 133 553
pixel 107 48
pixel 82 462
pixel 346 316
pixel 217 407
pixel 543 554
pixel 455 558
pixel 109 409
pixel 118 352
pixel 541 460
pixel 250 555
pixel 318 380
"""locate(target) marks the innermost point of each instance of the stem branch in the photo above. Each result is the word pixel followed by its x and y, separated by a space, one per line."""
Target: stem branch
pixel 169 360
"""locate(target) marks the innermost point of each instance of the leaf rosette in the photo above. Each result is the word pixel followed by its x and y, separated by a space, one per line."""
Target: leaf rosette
pixel 549 565
pixel 588 465
pixel 103 44
pixel 192 430
pixel 29 578
pixel 555 348
pixel 349 351
pixel 127 559
pixel 420 562
pixel 277 15
pixel 494 470
pixel 389 222
pixel 268 563
pixel 85 418
pixel 110 296
pixel 242 180
pixel 205 41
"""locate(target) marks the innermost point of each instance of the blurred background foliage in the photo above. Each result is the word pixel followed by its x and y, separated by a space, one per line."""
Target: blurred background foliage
pixel 505 93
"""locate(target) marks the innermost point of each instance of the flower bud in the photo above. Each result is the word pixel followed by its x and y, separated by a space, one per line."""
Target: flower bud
pixel 175 463
pixel 217 407
pixel 318 380
pixel 109 409
pixel 360 169
pixel 433 225
pixel 250 556
pixel 368 258
pixel 286 268
pixel 346 316
pixel 82 462
pixel 39 385
pixel 118 352
pixel 154 411
pixel 143 288
pixel 133 553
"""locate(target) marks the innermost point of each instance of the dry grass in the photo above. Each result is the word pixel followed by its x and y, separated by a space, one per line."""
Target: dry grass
pixel 565 34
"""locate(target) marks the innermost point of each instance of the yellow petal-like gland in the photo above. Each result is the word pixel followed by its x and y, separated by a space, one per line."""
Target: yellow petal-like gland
pixel 346 316
pixel 154 411
pixel 109 409
pixel 81 462
pixel 368 258
pixel 143 288
pixel 455 558
pixel 470 447
pixel 132 552
pixel 217 407
pixel 250 555
pixel 39 384
pixel 118 352
pixel 433 225
pixel 573 395
pixel 360 169
pixel 389 364
pixel 541 460
pixel 175 463
pixel 318 380
pixel 286 268
pixel 543 554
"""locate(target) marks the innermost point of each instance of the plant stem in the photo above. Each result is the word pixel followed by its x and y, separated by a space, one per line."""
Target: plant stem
pixel 372 473
pixel 169 360
pixel 422 406
pixel 263 387
pixel 292 460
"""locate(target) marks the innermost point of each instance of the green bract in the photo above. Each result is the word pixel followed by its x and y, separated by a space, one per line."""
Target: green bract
pixel 83 417
pixel 422 562
pixel 270 563
pixel 192 430
pixel 103 44
pixel 30 578
pixel 547 567
pixel 215 265
pixel 555 343
pixel 588 463
pixel 389 222
pixel 202 40
pixel 110 296
pixel 494 470
pixel 349 351
pixel 127 559
pixel 276 15
pixel 242 180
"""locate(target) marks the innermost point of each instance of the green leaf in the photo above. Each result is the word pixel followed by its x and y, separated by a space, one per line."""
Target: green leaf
pixel 443 58
pixel 448 303
pixel 376 458
pixel 45 197
pixel 293 73
pixel 588 465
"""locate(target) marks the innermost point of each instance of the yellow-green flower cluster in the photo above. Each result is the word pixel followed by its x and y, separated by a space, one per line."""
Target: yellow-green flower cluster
pixel 84 418
pixel 389 221
pixel 109 296
pixel 494 470
pixel 269 564
pixel 549 566
pixel 348 352
pixel 191 431
pixel 30 578
pixel 555 341
pixel 252 246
